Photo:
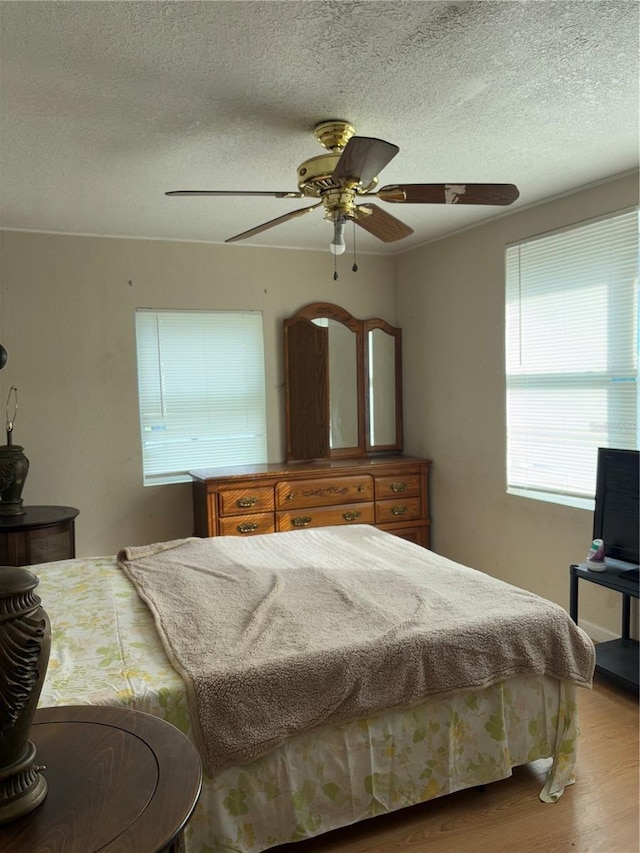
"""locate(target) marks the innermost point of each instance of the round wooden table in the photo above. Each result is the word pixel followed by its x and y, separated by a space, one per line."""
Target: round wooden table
pixel 119 781
pixel 42 534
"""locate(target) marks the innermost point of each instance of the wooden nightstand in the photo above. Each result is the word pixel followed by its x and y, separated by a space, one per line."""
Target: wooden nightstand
pixel 43 534
pixel 119 781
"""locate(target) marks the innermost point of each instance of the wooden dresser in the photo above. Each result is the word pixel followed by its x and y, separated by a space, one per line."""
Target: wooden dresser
pixel 390 492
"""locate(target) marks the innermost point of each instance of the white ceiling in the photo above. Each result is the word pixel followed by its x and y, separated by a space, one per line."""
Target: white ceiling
pixel 105 105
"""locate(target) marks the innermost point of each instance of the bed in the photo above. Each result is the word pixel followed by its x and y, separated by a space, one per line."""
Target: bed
pixel 109 646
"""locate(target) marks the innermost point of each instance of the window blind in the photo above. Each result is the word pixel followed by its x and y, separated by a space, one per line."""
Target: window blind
pixel 571 353
pixel 201 391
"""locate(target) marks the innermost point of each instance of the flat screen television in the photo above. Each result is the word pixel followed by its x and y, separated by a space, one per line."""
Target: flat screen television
pixel 617 510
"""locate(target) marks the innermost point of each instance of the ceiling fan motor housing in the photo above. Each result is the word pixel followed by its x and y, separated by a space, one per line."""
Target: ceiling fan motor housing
pixel 315 175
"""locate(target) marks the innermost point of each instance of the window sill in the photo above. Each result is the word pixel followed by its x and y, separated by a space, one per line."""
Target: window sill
pixel 565 500
pixel 165 479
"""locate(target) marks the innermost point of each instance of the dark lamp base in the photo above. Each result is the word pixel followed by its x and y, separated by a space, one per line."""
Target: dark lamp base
pixel 14 466
pixel 22 787
pixel 12 508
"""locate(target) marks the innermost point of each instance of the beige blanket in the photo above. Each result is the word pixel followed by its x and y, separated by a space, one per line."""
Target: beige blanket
pixel 280 633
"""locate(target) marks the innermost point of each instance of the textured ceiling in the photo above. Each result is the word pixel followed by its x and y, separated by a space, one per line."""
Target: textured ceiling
pixel 107 105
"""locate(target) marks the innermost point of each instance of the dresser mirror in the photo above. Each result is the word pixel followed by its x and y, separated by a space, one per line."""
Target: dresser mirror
pixel 383 411
pixel 342 383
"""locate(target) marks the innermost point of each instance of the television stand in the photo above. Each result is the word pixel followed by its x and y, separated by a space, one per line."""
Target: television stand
pixel 618 659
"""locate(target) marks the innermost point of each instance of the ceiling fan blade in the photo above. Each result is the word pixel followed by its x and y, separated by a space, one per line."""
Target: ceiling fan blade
pixel 236 192
pixel 362 159
pixel 287 216
pixel 380 223
pixel 449 193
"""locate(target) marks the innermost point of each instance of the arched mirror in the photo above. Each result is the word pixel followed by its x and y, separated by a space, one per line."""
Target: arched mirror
pixel 344 416
pixel 383 409
pixel 342 382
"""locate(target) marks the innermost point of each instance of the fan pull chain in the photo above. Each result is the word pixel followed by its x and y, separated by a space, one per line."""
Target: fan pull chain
pixel 335 268
pixel 354 268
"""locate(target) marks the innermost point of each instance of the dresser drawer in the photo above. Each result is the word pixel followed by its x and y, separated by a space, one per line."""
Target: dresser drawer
pixel 245 499
pixel 419 535
pixel 294 494
pixel 402 486
pixel 400 509
pixel 350 514
pixel 247 525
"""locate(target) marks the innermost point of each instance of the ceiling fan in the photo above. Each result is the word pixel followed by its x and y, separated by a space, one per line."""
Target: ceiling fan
pixel 347 174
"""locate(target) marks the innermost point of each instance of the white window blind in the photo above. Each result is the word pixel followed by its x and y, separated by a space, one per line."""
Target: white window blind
pixel 571 354
pixel 201 391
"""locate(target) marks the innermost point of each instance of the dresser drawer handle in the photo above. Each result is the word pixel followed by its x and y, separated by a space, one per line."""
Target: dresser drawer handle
pixel 351 516
pixel 243 503
pixel 247 527
pixel 301 520
pixel 399 510
pixel 361 488
pixel 290 496
pixel 398 487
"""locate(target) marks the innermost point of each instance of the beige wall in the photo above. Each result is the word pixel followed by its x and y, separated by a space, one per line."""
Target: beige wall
pixel 67 321
pixel 450 305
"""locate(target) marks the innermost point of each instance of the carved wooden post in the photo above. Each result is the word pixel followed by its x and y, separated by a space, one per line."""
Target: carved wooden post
pixel 25 640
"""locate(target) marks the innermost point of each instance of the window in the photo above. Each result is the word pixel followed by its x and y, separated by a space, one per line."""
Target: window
pixel 201 391
pixel 571 355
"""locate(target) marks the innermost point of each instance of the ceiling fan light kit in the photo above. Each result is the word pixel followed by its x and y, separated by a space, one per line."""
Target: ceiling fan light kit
pixel 337 245
pixel 347 173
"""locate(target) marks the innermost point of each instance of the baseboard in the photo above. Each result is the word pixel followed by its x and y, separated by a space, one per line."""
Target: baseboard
pixel 597 633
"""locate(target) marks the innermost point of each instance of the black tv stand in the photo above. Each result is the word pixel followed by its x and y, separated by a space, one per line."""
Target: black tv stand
pixel 618 659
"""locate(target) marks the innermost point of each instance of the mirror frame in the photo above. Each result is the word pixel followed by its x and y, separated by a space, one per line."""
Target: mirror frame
pixel 307 387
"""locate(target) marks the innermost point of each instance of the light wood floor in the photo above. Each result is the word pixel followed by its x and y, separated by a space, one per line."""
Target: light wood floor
pixel 599 814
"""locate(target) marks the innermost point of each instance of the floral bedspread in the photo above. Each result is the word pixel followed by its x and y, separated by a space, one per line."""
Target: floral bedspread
pixel 105 651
